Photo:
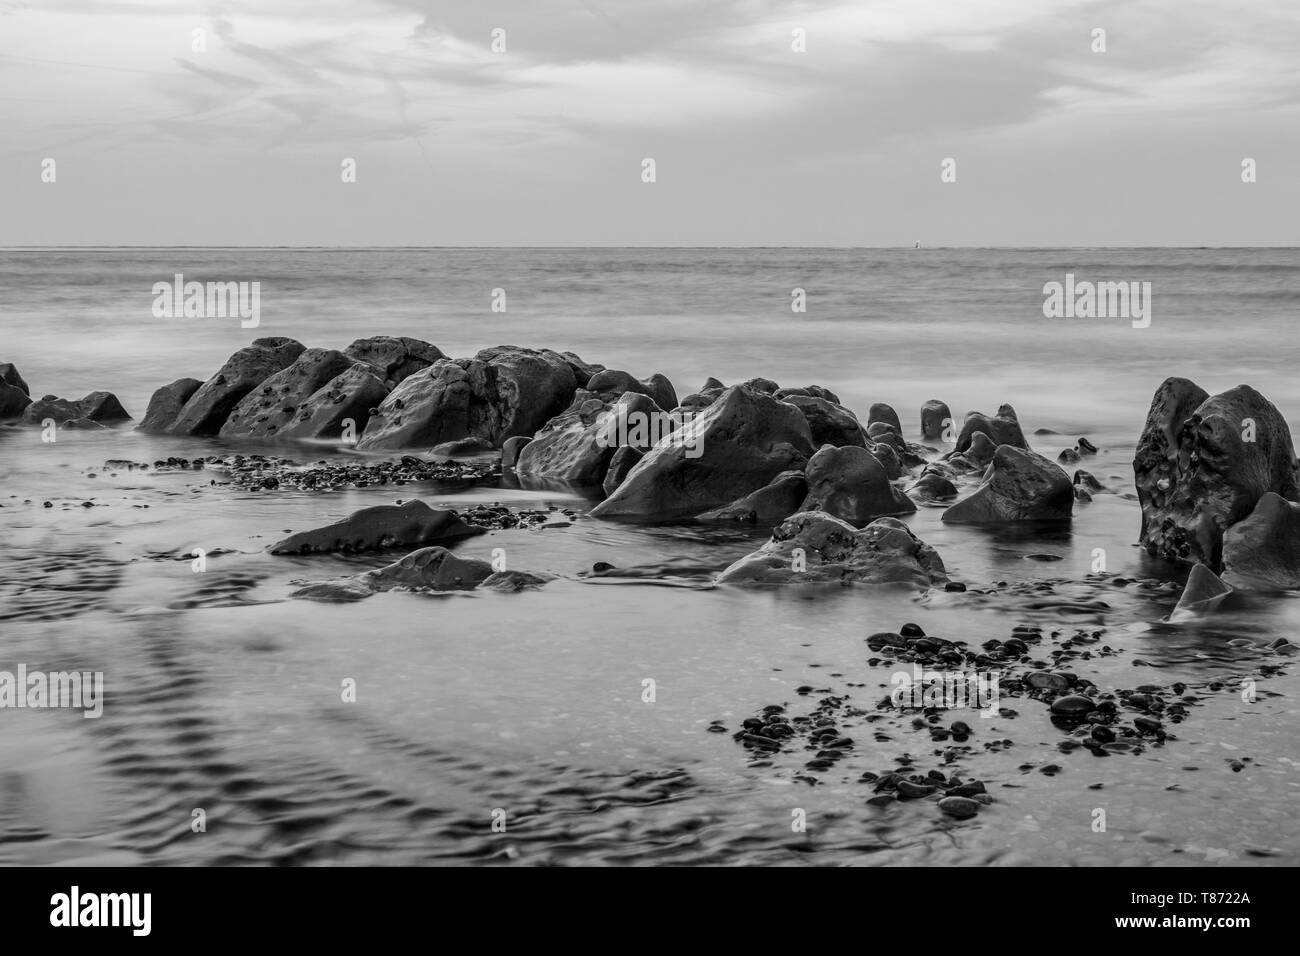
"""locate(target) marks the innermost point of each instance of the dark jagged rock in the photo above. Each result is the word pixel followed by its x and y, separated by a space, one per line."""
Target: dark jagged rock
pixel 380 527
pixel 620 465
pixel 742 441
pixel 1003 428
pixel 166 404
pixel 829 423
pixel 578 445
pixel 934 414
pixel 97 407
pixel 275 403
pixel 393 358
pixel 9 376
pixel 499 393
pixel 851 484
pixel 429 569
pixel 13 402
pixel 348 397
pixel 932 486
pixel 513 581
pixel 772 503
pixel 1204 592
pixel 1020 486
pixel 207 409
pixel 1202 464
pixel 813 547
pixel 880 412
pixel 1262 551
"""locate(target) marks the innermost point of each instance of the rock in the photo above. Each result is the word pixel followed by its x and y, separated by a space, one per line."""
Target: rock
pixel 813 547
pixel 1203 592
pixel 1003 428
pixel 379 527
pixel 1087 482
pixel 207 409
pixel 349 396
pixel 499 393
pixel 513 581
pixel 13 401
pixel 1073 705
pixel 98 407
pixel 764 385
pixel 1202 464
pixel 851 484
pixel 740 443
pixel 933 487
pixel 609 384
pixel 393 359
pixel 934 415
pixel 961 808
pixel 830 424
pixel 771 504
pixel 1020 486
pixel 511 448
pixel 1068 457
pixel 889 459
pixel 880 412
pixel 461 448
pixel 276 402
pixel 1262 552
pixel 1044 680
pixel 1086 447
pixel 434 569
pixel 980 451
pixel 582 371
pixel 578 445
pixel 166 404
pixel 620 466
pixel 9 376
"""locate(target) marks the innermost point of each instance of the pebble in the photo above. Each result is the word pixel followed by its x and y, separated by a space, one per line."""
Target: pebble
pixel 1072 705
pixel 962 808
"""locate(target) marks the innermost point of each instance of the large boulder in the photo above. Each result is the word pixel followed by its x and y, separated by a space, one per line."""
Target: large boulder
pixel 429 569
pixel 851 484
pixel 266 410
pixel 394 358
pixel 1203 463
pixel 499 393
pixel 830 424
pixel 816 548
pixel 736 445
pixel 13 401
pixel 1020 486
pixel 772 503
pixel 934 414
pixel 9 376
pixel 207 409
pixel 383 526
pixel 99 407
pixel 1262 551
pixel 880 412
pixel 350 395
pixel 1003 428
pixel 166 404
pixel 577 446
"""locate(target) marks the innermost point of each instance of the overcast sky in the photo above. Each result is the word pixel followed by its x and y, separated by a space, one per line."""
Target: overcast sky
pixel 754 143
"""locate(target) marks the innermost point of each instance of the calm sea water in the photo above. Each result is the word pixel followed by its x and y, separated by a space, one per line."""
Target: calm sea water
pixel 224 696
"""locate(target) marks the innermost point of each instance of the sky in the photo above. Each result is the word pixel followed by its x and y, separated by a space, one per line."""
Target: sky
pixel 230 123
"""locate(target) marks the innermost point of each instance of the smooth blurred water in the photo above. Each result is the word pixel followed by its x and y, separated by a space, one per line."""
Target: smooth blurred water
pixel 225 696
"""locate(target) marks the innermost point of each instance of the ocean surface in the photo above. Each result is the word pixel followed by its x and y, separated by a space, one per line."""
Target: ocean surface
pixel 224 696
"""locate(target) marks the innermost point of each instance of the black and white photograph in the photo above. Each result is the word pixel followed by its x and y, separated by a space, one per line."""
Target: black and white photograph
pixel 650 434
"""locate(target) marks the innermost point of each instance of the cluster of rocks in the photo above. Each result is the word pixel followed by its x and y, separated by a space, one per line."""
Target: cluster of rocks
pixel 428 569
pixel 96 410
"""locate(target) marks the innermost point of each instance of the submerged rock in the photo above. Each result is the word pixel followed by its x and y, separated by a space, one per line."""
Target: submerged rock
pixel 740 443
pixel 851 484
pixel 429 569
pixel 166 404
pixel 884 414
pixel 97 407
pixel 934 414
pixel 1020 486
pixel 813 547
pixel 13 401
pixel 1262 552
pixel 1203 463
pixel 1002 428
pixel 383 526
pixel 9 376
pixel 1204 592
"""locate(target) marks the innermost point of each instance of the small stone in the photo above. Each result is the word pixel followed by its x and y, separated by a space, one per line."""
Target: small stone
pixel 1072 705
pixel 962 808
